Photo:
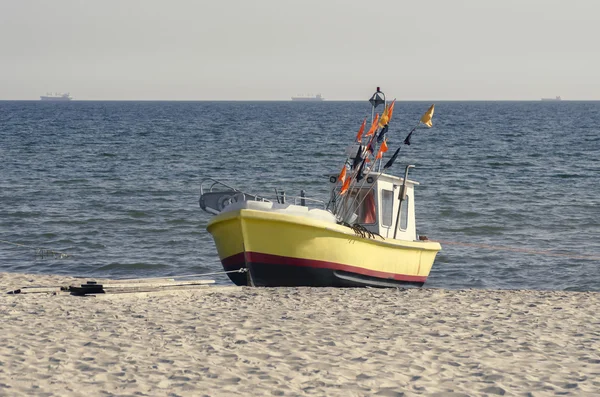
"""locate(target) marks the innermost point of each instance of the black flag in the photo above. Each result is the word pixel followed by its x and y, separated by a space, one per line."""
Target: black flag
pixel 391 161
pixel 358 157
pixel 382 133
pixel 360 175
pixel 407 140
pixel 371 145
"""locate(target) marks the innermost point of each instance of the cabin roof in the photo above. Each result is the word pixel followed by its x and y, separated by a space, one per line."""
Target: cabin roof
pixel 393 179
pixel 383 178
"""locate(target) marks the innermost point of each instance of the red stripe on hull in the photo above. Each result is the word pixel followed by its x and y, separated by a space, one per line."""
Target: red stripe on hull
pixel 239 260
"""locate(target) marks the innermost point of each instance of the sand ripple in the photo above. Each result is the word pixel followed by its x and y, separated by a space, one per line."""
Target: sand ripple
pixel 284 342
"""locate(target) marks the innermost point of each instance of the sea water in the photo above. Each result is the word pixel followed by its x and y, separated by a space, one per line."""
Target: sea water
pixel 116 184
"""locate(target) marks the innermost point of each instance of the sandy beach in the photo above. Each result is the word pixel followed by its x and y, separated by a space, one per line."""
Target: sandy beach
pixel 231 341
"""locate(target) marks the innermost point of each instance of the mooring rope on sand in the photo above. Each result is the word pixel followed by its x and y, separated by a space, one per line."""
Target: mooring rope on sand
pixel 120 285
pixel 41 251
pixel 516 249
pixel 241 270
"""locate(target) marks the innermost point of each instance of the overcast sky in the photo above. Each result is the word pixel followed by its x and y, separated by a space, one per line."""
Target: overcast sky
pixel 273 49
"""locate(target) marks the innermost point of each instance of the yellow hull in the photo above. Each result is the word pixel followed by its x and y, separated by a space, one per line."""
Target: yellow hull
pixel 279 249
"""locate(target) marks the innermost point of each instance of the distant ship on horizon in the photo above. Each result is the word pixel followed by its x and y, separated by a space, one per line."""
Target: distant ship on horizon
pixel 316 98
pixel 56 97
pixel 552 99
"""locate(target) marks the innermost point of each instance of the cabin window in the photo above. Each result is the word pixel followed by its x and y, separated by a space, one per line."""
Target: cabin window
pixel 366 211
pixel 363 205
pixel 404 213
pixel 387 202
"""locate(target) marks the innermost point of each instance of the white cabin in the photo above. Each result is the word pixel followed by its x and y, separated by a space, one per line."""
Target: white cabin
pixel 375 206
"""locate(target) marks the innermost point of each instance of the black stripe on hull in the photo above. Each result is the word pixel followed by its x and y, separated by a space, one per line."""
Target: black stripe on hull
pixel 273 275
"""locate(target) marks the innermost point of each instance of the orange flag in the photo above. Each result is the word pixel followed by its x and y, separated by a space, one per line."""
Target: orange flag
pixel 345 187
pixel 373 126
pixel 361 130
pixel 391 110
pixel 342 176
pixel 382 149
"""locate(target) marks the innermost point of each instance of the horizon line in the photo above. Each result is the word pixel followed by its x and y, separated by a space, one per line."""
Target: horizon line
pixel 289 100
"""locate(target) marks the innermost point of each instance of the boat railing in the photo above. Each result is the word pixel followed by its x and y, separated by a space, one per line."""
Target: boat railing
pixel 216 184
pixel 216 195
pixel 301 200
pixel 283 198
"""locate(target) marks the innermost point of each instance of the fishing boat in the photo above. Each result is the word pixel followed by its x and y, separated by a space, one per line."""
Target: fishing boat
pixel 308 98
pixel 555 99
pixel 56 97
pixel 364 235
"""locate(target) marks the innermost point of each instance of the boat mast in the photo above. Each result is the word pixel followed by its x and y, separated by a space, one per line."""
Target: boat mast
pixel 378 98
